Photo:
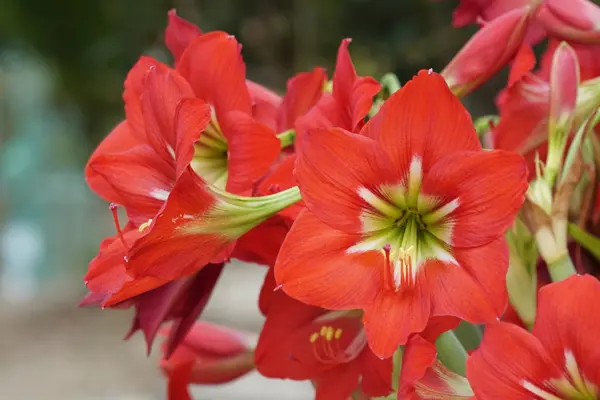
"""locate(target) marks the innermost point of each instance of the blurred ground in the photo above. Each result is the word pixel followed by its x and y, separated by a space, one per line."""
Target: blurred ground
pixel 52 350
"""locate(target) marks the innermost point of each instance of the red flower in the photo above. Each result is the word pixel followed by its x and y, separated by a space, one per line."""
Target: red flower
pixel 138 162
pixel 209 354
pixel 179 33
pixel 350 101
pixel 400 218
pixel 558 360
pixel 302 342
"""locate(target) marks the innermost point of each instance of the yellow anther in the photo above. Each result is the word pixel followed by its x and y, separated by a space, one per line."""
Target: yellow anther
pixel 323 330
pixel 329 334
pixel 145 225
pixel 314 337
pixel 338 333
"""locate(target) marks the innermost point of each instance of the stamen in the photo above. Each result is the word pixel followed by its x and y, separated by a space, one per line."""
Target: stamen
pixel 387 284
pixel 114 209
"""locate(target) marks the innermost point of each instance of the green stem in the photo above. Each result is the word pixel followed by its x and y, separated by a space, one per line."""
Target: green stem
pixel 588 241
pixel 452 353
pixel 482 124
pixel 397 368
pixel 561 268
pixel 287 138
pixel 390 82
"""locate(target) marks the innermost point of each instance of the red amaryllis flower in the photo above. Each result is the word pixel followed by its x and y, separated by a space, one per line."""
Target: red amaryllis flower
pixel 350 101
pixel 558 360
pixel 138 162
pixel 400 218
pixel 302 342
pixel 209 354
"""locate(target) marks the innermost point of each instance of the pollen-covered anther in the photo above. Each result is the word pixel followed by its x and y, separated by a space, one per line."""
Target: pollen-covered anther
pixel 326 345
pixel 145 225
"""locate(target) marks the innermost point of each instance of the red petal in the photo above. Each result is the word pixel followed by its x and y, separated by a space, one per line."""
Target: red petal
pixel 261 244
pixel 213 65
pixel 192 117
pixel 133 288
pixel 141 179
pixel 331 167
pixel 455 293
pixel 376 374
pixel 265 104
pixel 354 94
pixel 132 95
pixel 409 123
pixel 567 321
pixel 267 292
pixel 393 317
pixel 285 335
pixel 119 139
pixel 438 325
pixel 419 355
pixel 171 249
pixel 177 382
pixel 489 187
pixel 338 383
pixel 164 89
pixel 487 266
pixel 179 34
pixel 303 92
pixel 313 266
pixel 281 177
pixel 508 356
pixel 523 64
pixel 191 304
pixel 253 148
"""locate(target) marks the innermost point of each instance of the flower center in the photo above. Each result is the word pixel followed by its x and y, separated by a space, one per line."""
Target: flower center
pixel 409 226
pixel 327 347
pixel 210 154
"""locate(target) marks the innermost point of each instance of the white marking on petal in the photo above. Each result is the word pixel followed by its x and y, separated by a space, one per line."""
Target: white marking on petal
pixel 582 386
pixel 545 395
pixel 415 177
pixel 378 203
pixel 373 242
pixel 159 194
pixel 171 151
pixel 442 212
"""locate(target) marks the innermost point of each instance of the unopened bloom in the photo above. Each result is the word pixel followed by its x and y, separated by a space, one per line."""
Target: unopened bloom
pixel 481 57
pixel 573 20
pixel 209 354
pixel 558 360
pixel 404 220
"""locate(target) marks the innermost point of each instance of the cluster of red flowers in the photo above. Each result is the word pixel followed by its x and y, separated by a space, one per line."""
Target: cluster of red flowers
pixel 383 221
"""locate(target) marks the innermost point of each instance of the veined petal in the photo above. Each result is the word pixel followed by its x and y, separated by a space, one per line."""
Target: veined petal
pixel 489 187
pixel 173 247
pixel 425 377
pixel 566 322
pixel 353 94
pixel 192 117
pixel 332 168
pixel 376 374
pixel 179 33
pixel 119 139
pixel 393 316
pixel 338 383
pixel 303 92
pixel 455 293
pixel 423 119
pixel 132 95
pixel 487 266
pixel 141 179
pixel 314 267
pixel 509 364
pixel 213 65
pixel 252 149
pixel 163 90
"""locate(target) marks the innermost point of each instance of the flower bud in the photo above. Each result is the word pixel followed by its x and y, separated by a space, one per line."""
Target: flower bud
pixel 573 20
pixel 482 57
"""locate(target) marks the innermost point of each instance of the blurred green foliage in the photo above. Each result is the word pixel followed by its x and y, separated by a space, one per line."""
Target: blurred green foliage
pixel 91 44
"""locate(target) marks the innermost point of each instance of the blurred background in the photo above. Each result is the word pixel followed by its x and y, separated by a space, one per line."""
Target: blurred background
pixel 62 66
